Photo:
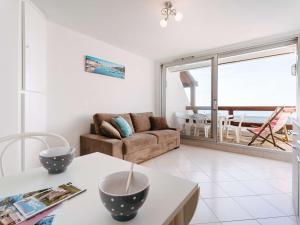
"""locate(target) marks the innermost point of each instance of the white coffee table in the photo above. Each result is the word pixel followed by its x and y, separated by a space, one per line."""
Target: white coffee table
pixel 171 200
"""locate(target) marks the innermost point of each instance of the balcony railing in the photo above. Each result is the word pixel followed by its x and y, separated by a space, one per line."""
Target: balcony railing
pixel 232 109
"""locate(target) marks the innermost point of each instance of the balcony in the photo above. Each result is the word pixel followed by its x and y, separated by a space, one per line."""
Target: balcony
pixel 229 122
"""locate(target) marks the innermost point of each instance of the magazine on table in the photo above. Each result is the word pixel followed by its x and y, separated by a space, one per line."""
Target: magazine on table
pixel 19 208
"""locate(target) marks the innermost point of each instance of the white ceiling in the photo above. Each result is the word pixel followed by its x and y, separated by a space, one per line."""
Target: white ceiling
pixel 133 25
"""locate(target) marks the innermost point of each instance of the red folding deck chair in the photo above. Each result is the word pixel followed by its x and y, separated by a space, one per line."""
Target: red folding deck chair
pixel 276 122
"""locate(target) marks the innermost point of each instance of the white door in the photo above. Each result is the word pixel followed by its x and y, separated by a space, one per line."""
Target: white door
pixel 190 100
pixel 34 99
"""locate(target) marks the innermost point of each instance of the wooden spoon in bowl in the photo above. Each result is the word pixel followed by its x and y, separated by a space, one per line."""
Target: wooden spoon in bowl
pixel 129 178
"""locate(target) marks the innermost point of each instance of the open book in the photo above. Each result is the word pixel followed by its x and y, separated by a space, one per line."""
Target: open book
pixel 18 208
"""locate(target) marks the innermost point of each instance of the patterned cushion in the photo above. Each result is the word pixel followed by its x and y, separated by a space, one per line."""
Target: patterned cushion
pixel 122 126
pixel 158 123
pixel 109 131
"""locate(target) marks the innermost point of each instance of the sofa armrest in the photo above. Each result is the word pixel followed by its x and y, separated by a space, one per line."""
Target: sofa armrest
pixel 90 143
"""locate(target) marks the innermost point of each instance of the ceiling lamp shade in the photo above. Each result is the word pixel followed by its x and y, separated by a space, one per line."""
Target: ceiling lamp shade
pixel 168 11
pixel 163 23
pixel 178 16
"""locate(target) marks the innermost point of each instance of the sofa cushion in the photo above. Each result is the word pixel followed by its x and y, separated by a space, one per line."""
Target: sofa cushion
pixel 164 135
pixel 122 126
pixel 109 131
pixel 99 117
pixel 141 121
pixel 158 123
pixel 138 141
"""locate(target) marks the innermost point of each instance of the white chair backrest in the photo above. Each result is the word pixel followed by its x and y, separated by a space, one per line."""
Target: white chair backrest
pixel 189 112
pixel 11 139
pixel 242 117
pixel 280 120
pixel 200 118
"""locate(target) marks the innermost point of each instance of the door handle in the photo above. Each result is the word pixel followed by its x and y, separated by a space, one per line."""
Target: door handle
pixel 215 104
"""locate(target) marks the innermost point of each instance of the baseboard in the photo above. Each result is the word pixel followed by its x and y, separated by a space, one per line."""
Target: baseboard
pixel 241 149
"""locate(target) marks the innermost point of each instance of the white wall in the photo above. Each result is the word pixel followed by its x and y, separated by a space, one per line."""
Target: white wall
pixel 9 75
pixel 75 95
pixel 176 98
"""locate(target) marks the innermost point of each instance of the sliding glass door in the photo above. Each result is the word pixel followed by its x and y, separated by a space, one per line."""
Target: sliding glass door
pixel 191 98
pixel 252 86
pixel 227 97
pixel 223 97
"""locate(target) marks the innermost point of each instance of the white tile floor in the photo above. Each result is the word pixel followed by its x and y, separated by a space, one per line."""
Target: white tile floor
pixel 235 189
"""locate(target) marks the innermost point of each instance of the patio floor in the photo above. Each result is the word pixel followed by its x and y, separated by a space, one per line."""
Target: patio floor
pixel 246 138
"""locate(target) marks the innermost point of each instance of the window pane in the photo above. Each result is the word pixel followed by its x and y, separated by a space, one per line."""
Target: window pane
pixel 259 82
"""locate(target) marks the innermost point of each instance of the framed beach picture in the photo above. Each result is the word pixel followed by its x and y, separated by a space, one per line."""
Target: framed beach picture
pixel 100 66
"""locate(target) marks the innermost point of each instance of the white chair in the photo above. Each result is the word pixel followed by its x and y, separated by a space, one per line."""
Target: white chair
pixel 236 129
pixel 201 124
pixel 179 121
pixel 189 126
pixel 11 139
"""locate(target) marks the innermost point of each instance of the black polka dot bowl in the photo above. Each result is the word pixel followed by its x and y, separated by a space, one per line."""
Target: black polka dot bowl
pixel 124 206
pixel 56 160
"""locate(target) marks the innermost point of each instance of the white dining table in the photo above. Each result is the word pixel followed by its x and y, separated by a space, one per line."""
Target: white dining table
pixel 171 200
pixel 221 121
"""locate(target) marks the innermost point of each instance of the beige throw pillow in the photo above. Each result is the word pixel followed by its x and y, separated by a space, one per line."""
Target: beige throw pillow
pixel 109 131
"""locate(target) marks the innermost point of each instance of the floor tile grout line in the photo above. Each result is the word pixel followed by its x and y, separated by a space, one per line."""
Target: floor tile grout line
pixel 275 206
pixel 197 167
pixel 265 180
pixel 244 187
pixel 212 211
pixel 233 196
pixel 272 218
pixel 243 208
pixel 254 219
pixel 262 217
pixel 226 221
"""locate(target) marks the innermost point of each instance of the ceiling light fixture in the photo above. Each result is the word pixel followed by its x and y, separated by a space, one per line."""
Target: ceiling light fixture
pixel 169 11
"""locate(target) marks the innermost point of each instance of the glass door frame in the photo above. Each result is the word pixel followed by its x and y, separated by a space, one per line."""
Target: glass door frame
pixel 214 90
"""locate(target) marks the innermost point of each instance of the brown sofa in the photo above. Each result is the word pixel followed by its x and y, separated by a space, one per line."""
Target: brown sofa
pixel 144 144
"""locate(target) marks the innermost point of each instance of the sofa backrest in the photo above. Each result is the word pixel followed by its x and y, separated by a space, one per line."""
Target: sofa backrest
pixel 99 117
pixel 141 121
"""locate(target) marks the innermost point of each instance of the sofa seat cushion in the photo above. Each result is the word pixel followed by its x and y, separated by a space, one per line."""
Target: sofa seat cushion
pixel 164 135
pixel 138 141
pixel 141 121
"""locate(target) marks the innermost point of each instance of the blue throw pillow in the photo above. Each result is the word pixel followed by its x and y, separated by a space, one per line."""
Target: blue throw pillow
pixel 122 126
